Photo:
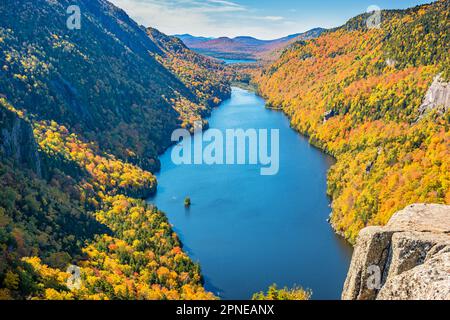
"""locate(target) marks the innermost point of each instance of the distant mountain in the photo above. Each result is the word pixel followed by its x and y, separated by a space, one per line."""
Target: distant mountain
pixel 313 33
pixel 244 47
pixel 190 38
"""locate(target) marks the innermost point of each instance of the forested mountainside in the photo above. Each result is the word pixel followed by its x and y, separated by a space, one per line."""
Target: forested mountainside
pixel 358 93
pixel 206 77
pixel 102 81
pixel 79 111
pixel 85 210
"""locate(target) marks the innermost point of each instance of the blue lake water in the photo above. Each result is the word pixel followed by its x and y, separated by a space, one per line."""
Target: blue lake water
pixel 235 61
pixel 249 231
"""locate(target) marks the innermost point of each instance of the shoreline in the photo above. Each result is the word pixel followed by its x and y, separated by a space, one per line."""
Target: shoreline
pixel 316 146
pixel 173 211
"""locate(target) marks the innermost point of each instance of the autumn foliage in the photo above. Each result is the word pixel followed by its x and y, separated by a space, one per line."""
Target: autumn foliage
pixel 356 93
pixel 133 255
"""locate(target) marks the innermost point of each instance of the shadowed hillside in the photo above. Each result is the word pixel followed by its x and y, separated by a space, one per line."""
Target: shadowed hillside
pixel 79 111
pixel 101 81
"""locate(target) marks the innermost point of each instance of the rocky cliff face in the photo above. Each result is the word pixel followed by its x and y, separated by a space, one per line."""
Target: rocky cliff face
pixel 17 141
pixel 437 97
pixel 408 259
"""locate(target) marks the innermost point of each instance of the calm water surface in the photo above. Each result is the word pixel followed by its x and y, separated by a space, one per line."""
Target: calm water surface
pixel 249 231
pixel 235 61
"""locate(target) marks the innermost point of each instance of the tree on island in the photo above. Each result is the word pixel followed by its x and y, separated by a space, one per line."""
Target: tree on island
pixel 296 293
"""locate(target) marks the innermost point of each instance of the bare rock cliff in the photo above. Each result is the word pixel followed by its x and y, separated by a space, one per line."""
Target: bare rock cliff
pixel 408 259
pixel 437 97
pixel 17 141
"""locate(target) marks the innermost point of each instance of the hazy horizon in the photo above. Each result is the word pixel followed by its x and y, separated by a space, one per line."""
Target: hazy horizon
pixel 241 36
pixel 261 19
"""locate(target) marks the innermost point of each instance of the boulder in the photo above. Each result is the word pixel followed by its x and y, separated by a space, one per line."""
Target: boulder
pixel 408 259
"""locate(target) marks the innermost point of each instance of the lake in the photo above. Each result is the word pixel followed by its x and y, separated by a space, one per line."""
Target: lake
pixel 249 231
pixel 238 61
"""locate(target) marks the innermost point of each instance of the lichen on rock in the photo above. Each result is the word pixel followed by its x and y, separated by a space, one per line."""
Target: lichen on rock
pixel 411 255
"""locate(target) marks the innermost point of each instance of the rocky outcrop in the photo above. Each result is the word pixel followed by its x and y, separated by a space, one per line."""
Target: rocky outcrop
pixel 437 97
pixel 408 259
pixel 17 141
pixel 328 115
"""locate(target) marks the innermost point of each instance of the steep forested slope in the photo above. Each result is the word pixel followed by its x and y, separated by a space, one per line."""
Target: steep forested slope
pixel 102 81
pixel 357 93
pixel 81 211
pixel 206 77
pixel 79 110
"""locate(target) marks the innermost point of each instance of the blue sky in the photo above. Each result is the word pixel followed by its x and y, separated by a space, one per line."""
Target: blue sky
pixel 264 19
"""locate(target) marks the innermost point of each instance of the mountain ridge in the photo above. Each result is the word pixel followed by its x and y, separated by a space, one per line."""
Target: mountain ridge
pixel 71 70
pixel 244 47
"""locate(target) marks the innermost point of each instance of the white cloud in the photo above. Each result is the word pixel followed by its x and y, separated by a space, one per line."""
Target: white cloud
pixel 270 18
pixel 228 4
pixel 169 19
pixel 208 18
